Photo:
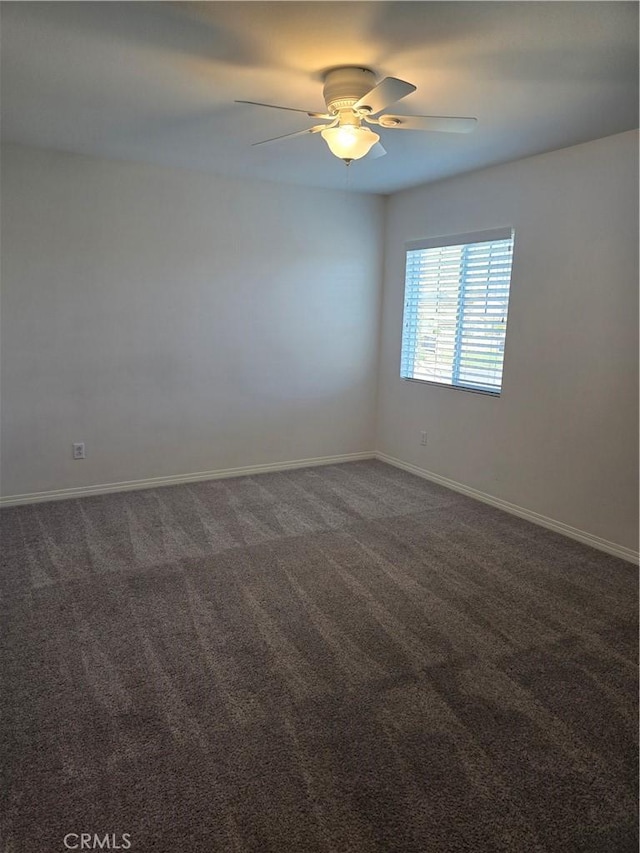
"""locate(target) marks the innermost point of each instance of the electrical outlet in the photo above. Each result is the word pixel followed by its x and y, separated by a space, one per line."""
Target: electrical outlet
pixel 78 450
pixel 423 437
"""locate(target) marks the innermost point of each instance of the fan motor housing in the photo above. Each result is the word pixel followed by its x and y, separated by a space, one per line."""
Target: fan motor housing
pixel 343 87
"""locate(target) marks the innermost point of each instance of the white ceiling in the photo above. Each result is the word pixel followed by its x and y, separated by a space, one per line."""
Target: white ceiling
pixel 156 81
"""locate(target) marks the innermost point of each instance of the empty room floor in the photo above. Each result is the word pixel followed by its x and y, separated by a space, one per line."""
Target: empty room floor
pixel 334 659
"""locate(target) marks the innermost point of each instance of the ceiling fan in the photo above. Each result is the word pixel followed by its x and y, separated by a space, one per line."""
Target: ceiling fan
pixel 353 101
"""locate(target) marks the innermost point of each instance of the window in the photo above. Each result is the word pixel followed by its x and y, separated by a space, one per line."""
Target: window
pixel 455 310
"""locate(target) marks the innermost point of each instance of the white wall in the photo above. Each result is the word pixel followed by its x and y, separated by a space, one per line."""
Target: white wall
pixel 178 322
pixel 562 440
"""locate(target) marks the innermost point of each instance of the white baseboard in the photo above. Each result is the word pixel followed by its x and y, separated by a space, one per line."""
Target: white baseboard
pixel 542 520
pixel 154 482
pixel 248 470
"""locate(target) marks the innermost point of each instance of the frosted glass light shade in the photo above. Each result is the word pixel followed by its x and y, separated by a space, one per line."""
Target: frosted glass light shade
pixel 349 142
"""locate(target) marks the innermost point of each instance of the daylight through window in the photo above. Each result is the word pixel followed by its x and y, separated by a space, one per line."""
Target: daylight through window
pixel 455 310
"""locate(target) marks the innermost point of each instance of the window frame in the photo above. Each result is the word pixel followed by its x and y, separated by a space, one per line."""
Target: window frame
pixel 484 236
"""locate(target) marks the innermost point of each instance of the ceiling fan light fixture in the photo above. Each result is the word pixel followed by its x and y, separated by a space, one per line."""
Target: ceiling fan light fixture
pixel 349 142
pixel 352 97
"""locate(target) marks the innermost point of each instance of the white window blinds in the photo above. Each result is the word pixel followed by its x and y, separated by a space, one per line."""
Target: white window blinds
pixel 455 310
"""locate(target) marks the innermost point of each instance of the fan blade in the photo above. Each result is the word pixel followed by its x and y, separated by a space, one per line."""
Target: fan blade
pixel 388 91
pixel 316 129
pixel 378 150
pixel 441 124
pixel 290 109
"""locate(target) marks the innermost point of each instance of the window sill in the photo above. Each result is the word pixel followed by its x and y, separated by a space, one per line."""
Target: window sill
pixel 453 387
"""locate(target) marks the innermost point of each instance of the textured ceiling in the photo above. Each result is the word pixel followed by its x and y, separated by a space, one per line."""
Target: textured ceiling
pixel 156 81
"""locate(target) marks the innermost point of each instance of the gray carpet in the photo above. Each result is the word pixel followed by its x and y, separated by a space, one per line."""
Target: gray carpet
pixel 334 659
